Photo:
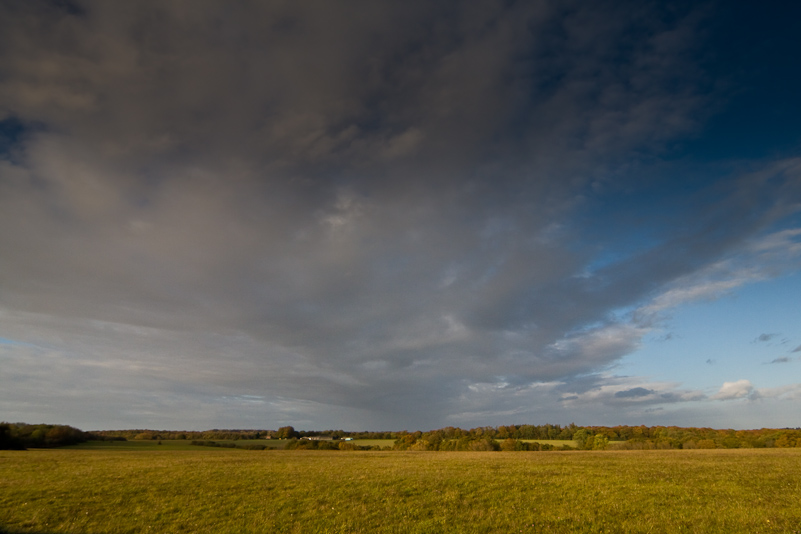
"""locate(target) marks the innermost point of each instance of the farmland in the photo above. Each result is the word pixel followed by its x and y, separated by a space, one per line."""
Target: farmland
pixel 166 489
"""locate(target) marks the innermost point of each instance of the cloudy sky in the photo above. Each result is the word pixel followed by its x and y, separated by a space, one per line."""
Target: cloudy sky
pixel 386 215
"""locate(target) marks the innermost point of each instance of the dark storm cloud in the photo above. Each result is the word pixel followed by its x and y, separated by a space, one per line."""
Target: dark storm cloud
pixel 361 204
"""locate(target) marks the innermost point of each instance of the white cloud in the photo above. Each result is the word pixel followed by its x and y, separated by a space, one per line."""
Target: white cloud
pixel 786 392
pixel 734 390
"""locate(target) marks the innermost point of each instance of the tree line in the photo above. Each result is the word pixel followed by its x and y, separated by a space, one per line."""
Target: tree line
pixel 517 438
pixel 20 436
pixel 512 437
pixel 505 437
pixel 674 437
pixel 542 432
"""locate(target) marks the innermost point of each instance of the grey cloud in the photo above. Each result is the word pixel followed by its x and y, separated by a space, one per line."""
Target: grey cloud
pixel 340 206
pixel 587 398
pixel 797 349
pixel 633 393
pixel 629 398
pixel 786 392
pixel 764 338
pixel 783 359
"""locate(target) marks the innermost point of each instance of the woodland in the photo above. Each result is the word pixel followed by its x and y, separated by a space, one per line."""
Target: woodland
pixel 18 436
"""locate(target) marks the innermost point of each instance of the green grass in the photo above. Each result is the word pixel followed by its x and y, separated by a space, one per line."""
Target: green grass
pixel 169 445
pixel 554 442
pixel 186 445
pixel 134 445
pixel 373 442
pixel 159 489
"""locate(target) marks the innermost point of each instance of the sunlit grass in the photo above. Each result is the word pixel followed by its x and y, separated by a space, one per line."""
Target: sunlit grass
pixel 169 445
pixel 225 490
pixel 186 445
pixel 554 442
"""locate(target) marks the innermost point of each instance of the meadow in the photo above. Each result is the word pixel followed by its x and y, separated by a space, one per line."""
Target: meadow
pixel 191 445
pixel 169 490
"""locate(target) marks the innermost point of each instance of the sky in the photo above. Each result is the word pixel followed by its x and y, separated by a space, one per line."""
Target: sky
pixel 379 215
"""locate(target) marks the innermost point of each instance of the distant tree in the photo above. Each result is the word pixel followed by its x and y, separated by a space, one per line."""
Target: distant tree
pixel 731 442
pixel 433 440
pixel 511 444
pixel 600 442
pixel 784 440
pixel 22 435
pixel 583 438
pixel 405 441
pixel 8 441
pixel 286 432
pixel 484 444
pixel 60 435
pixel 37 437
pixel 565 433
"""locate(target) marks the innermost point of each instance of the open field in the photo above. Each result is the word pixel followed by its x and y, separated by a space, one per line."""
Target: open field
pixel 232 490
pixel 186 445
pixel 374 442
pixel 168 444
pixel 554 442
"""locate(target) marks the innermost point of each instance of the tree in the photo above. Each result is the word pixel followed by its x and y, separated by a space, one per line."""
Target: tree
pixel 8 441
pixel 286 432
pixel 511 444
pixel 484 444
pixel 600 442
pixel 582 437
pixel 405 441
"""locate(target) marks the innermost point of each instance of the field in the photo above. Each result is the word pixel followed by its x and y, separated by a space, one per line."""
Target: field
pixel 186 445
pixel 270 443
pixel 167 445
pixel 165 489
pixel 554 442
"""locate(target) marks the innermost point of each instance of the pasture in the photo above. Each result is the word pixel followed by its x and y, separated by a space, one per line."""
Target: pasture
pixel 168 490
pixel 168 445
pixel 187 445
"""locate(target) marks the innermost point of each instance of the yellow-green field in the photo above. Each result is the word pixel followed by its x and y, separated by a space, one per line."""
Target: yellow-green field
pixel 554 442
pixel 231 490
pixel 168 445
pixel 186 445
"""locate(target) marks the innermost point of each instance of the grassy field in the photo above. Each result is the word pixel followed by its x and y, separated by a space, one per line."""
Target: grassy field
pixel 168 444
pixel 374 442
pixel 554 442
pixel 166 490
pixel 186 445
